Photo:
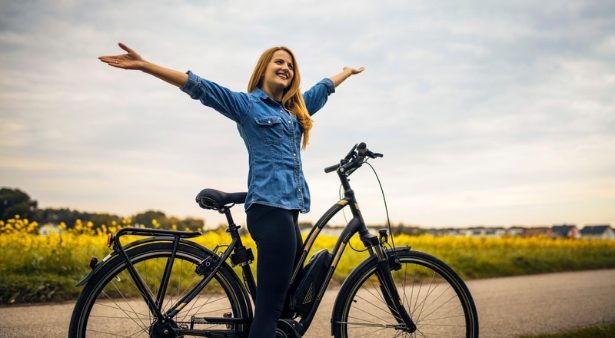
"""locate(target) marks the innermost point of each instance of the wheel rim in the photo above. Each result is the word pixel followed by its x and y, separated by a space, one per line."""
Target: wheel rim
pixel 426 293
pixel 117 309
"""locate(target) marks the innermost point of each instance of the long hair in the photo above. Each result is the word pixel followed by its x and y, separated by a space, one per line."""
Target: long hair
pixel 292 99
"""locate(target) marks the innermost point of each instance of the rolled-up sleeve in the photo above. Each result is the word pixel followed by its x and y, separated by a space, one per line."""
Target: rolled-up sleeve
pixel 229 103
pixel 316 97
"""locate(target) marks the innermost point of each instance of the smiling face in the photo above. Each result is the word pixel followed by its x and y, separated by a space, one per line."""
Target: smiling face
pixel 279 73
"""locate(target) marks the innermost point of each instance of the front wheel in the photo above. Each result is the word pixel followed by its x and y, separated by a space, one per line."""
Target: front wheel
pixel 434 296
pixel 111 305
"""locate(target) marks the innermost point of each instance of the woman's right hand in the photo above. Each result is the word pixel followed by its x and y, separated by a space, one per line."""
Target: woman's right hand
pixel 131 60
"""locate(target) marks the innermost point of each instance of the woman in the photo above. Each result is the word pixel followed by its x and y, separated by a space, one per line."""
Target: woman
pixel 273 118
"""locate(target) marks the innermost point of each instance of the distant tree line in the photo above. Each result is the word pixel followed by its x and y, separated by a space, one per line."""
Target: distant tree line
pixel 16 202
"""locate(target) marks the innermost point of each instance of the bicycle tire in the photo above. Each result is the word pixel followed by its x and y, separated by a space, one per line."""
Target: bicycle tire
pixel 111 305
pixel 436 298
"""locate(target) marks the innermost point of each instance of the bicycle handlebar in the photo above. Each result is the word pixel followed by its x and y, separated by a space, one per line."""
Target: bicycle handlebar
pixel 354 159
pixel 331 168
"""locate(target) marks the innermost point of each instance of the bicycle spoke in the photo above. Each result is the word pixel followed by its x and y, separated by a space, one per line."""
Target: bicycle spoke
pixel 118 308
pixel 427 294
pixel 194 301
pixel 368 313
pixel 365 322
pixel 126 301
pixel 403 285
pixel 137 332
pixel 377 287
pixel 379 308
pixel 208 311
pixel 418 293
pixel 440 306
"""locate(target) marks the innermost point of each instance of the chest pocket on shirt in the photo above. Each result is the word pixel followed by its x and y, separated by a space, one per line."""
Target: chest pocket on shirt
pixel 271 129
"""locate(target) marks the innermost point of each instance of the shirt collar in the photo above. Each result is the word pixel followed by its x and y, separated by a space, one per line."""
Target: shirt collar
pixel 259 93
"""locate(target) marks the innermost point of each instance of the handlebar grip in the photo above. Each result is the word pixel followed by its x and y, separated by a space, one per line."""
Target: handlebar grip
pixel 331 168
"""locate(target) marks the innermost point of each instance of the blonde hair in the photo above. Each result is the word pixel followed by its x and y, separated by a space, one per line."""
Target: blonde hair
pixel 292 99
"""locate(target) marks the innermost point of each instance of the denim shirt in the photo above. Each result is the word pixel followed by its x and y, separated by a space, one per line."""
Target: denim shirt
pixel 272 136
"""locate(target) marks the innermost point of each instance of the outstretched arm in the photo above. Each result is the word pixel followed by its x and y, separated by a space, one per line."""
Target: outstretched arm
pixel 132 60
pixel 344 74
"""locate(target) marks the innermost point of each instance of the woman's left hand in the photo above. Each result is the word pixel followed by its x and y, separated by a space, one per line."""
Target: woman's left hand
pixel 353 71
pixel 344 74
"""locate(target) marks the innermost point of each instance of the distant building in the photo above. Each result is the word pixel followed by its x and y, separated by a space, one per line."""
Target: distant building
pixel 538 231
pixel 495 232
pixel 49 229
pixel 412 230
pixel 598 232
pixel 565 231
pixel 451 232
pixel 515 231
pixel 468 232
pixel 482 231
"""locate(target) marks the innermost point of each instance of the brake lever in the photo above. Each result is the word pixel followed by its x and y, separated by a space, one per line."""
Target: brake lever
pixel 374 155
pixel 350 154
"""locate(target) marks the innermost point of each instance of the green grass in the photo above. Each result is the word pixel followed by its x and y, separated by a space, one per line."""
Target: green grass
pixel 38 268
pixel 36 288
pixel 602 331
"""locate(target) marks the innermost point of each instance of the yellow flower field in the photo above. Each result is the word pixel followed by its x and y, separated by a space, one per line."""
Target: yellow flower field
pixel 36 267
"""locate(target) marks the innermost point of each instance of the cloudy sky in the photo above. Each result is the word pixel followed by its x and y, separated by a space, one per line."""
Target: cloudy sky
pixel 488 113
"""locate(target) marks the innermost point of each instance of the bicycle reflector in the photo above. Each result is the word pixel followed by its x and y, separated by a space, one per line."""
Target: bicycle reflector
pixel 109 239
pixel 93 262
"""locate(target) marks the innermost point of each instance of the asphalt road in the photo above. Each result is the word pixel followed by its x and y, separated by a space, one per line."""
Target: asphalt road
pixel 507 307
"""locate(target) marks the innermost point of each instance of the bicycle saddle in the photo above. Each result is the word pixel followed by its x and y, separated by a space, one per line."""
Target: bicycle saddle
pixel 216 199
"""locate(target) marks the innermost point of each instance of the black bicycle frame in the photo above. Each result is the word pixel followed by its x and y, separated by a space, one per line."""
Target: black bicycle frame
pixel 154 305
pixel 176 236
pixel 235 246
pixel 355 225
pixel 371 242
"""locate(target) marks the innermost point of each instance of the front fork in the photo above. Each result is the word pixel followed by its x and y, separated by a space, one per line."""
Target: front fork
pixel 387 263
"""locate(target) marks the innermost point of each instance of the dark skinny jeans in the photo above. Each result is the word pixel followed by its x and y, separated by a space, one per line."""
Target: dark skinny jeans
pixel 278 241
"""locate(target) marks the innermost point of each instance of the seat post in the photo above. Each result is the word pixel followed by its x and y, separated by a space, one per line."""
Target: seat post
pixel 229 218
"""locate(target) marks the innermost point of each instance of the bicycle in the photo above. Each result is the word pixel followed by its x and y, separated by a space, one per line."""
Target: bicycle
pixel 165 285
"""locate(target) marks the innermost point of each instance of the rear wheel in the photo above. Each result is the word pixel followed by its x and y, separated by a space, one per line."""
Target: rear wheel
pixel 434 296
pixel 112 306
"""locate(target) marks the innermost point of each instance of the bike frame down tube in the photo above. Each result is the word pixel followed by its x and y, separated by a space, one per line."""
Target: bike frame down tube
pixel 356 225
pixel 316 229
pixel 349 199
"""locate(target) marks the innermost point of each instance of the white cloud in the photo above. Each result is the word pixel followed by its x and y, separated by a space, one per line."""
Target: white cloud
pixel 482 110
